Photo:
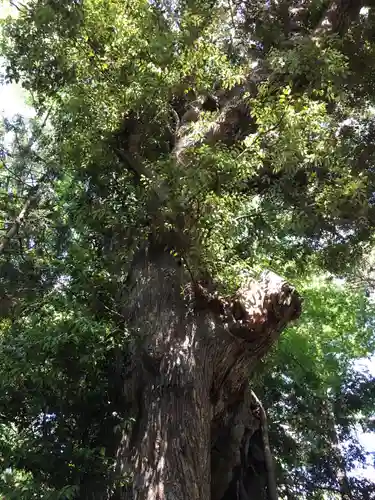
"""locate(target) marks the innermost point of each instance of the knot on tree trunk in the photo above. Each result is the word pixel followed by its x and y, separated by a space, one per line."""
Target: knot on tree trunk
pixel 260 309
pixel 257 309
pixel 247 326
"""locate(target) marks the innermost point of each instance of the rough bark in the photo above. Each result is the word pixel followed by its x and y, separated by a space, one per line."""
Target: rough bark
pixel 188 382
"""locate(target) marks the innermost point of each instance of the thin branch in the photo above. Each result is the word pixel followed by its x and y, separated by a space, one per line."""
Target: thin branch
pixel 20 7
pixel 14 175
pixel 19 220
pixel 31 199
pixel 271 480
pixel 35 137
pixel 178 123
pixel 140 172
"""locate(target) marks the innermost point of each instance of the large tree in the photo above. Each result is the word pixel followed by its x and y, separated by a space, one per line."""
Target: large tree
pixel 180 148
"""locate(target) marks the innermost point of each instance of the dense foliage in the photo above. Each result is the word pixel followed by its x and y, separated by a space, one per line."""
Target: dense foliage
pixel 291 188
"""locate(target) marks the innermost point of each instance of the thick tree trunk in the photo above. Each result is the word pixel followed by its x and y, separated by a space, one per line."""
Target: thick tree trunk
pixel 188 381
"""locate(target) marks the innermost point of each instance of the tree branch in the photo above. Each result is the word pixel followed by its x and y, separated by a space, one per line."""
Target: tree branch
pixel 235 120
pixel 20 7
pixel 18 221
pixel 271 480
pixel 31 199
pixel 338 16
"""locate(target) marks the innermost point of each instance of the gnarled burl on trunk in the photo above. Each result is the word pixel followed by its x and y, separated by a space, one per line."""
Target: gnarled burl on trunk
pixel 189 381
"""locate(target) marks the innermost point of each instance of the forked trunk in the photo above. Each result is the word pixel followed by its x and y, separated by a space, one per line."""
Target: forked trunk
pixel 188 380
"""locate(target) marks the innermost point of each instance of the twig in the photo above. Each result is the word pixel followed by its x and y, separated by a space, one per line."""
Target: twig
pixel 21 217
pixel 14 175
pixel 271 481
pixel 16 224
pixel 18 7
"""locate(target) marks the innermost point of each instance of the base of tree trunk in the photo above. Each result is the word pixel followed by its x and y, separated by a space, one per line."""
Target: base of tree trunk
pixel 195 431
